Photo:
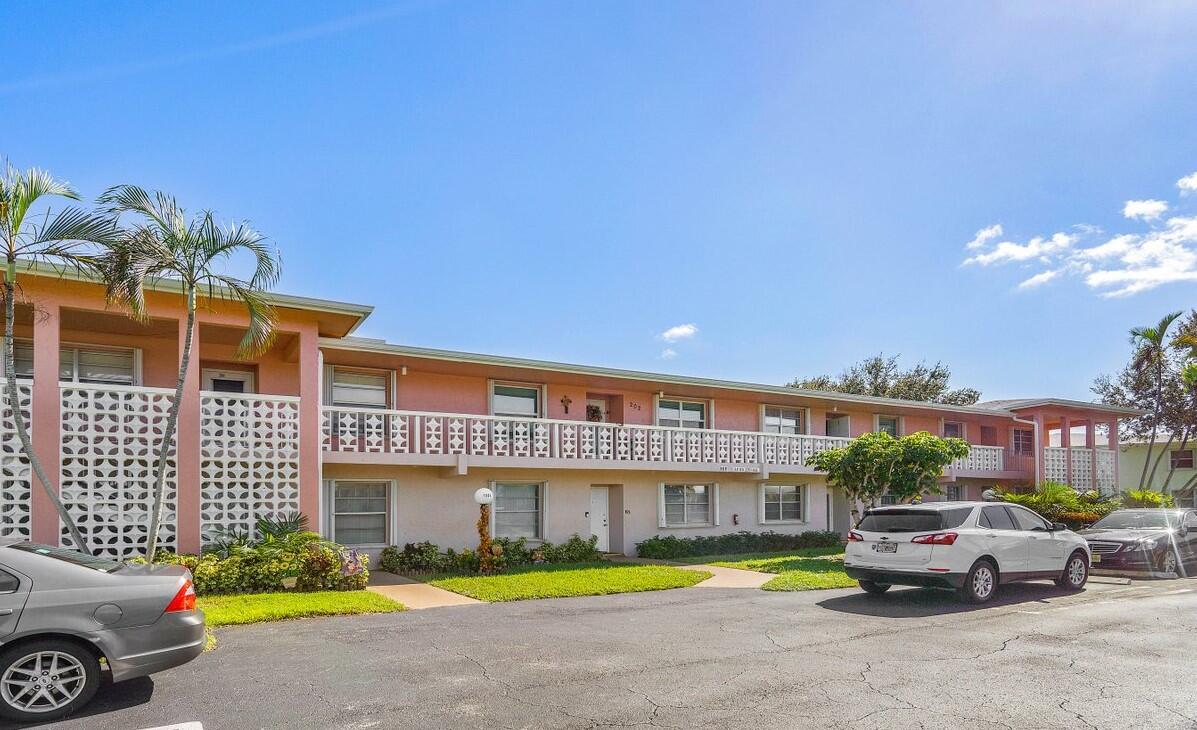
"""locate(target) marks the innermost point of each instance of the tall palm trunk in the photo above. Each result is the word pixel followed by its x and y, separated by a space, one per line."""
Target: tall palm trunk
pixel 1155 422
pixel 172 421
pixel 14 403
pixel 1156 464
pixel 1184 443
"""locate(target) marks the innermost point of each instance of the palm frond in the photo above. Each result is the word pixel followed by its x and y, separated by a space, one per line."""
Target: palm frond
pixel 71 227
pixel 260 332
pixel 19 192
pixel 160 208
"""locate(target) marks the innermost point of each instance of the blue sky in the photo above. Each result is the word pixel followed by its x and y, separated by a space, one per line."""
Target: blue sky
pixel 796 181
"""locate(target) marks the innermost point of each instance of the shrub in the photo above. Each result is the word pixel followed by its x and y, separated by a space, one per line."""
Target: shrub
pixel 1147 498
pixel 315 564
pixel 425 557
pixel 573 550
pixel 1078 520
pixel 670 546
pixel 415 557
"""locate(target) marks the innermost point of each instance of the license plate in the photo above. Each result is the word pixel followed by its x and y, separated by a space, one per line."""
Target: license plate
pixel 1097 558
pixel 886 547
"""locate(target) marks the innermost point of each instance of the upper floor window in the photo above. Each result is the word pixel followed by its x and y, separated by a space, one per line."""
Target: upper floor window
pixel 783 420
pixel 1182 459
pixel 82 363
pixel 839 424
pixel 359 388
pixel 953 430
pixel 682 413
pixel 889 424
pixel 1024 441
pixel 519 401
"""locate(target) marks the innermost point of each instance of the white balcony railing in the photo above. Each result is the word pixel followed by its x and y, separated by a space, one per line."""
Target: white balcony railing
pixel 1055 467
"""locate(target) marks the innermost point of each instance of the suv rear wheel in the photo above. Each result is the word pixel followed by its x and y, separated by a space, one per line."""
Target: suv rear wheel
pixel 875 589
pixel 46 679
pixel 980 584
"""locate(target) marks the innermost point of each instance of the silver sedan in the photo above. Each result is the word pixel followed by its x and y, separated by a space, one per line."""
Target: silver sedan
pixel 63 611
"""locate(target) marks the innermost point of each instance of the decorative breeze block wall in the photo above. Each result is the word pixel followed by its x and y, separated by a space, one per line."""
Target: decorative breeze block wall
pixel 15 472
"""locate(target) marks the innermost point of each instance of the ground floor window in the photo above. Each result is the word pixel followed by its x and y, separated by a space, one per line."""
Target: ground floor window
pixel 359 514
pixel 689 505
pixel 955 493
pixel 888 499
pixel 783 503
pixel 519 510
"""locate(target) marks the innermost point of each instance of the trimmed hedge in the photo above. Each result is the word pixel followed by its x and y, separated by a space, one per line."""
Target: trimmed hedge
pixel 426 557
pixel 315 564
pixel 670 546
pixel 1078 520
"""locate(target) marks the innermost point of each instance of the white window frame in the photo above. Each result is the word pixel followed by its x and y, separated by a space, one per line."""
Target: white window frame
pixel 331 378
pixel 75 347
pixel 541 398
pixel 1014 440
pixel 847 418
pixel 901 424
pixel 207 375
pixel 708 410
pixel 943 428
pixel 543 500
pixel 803 502
pixel 804 426
pixel 712 505
pixel 391 513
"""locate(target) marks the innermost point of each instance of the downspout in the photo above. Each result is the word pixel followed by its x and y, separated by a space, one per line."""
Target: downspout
pixel 1035 429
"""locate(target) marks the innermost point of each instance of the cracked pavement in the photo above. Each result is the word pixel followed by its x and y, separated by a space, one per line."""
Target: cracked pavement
pixel 1110 657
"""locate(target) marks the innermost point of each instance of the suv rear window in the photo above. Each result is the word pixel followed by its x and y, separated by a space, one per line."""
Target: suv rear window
pixel 913 520
pixel 74 557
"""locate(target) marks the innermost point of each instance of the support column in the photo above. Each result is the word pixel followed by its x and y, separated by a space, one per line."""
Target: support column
pixel 1091 444
pixel 187 452
pixel 1115 443
pixel 1066 442
pixel 309 426
pixel 1041 442
pixel 47 421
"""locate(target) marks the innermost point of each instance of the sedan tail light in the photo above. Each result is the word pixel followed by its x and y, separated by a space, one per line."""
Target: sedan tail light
pixel 184 600
pixel 939 538
pixel 854 536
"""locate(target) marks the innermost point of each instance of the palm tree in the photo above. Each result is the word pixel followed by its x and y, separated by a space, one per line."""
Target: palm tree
pixel 165 244
pixel 1151 357
pixel 69 239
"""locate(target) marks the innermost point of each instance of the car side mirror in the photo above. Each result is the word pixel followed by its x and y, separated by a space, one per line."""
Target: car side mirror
pixel 1057 526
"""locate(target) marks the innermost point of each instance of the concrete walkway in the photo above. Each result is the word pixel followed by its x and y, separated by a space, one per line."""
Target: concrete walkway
pixel 413 593
pixel 730 577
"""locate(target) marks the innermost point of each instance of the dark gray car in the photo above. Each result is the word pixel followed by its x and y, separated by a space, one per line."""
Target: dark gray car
pixel 62 611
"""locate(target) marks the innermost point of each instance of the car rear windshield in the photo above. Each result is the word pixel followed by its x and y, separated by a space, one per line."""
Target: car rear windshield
pixel 67 555
pixel 913 520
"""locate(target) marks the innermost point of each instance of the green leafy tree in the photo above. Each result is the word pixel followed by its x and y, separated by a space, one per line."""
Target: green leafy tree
pixel 72 238
pixel 883 377
pixel 877 463
pixel 164 243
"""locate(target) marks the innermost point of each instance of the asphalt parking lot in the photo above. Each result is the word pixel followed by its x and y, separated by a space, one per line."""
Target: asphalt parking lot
pixel 1114 656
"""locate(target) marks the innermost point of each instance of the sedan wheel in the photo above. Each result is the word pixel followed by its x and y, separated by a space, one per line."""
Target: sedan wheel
pixel 44 680
pixel 1168 563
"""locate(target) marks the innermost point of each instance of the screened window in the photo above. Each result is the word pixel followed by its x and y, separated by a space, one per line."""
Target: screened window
pixel 955 493
pixel 104 365
pixel 688 504
pixel 1182 459
pixel 888 499
pixel 681 413
pixel 515 400
pixel 357 389
pixel 953 430
pixel 839 425
pixel 888 424
pixel 783 420
pixel 519 510
pixel 360 513
pixel 1024 441
pixel 783 503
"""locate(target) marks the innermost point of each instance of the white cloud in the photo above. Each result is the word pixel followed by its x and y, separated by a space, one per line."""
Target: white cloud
pixel 1038 247
pixel 679 332
pixel 1144 209
pixel 668 353
pixel 1039 279
pixel 984 236
pixel 1111 265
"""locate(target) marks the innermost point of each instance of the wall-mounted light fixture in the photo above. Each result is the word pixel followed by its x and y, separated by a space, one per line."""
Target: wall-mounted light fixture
pixel 403 370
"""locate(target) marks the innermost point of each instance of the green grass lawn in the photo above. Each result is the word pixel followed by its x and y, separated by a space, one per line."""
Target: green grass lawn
pixel 252 608
pixel 571 579
pixel 800 570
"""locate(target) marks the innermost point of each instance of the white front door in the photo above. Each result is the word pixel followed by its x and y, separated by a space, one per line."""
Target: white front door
pixel 600 520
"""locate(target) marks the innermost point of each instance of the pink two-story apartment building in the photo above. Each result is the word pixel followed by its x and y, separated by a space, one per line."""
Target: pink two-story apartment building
pixel 380 443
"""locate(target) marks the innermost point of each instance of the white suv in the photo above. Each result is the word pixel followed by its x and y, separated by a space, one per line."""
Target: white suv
pixel 970 546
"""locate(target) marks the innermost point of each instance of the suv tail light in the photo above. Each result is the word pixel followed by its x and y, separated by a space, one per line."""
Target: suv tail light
pixel 854 536
pixel 184 600
pixel 939 538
